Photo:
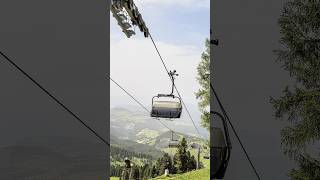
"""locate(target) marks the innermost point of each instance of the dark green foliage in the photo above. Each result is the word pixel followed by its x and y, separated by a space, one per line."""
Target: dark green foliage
pixel 181 157
pixel 135 172
pixel 142 173
pixel 192 163
pixel 182 160
pixel 203 94
pixel 309 169
pixel 119 154
pixel 302 109
pixel 115 170
pixel 154 172
pixel 300 37
pixel 164 163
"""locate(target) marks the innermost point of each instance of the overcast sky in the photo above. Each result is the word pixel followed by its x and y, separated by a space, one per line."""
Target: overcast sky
pixel 179 30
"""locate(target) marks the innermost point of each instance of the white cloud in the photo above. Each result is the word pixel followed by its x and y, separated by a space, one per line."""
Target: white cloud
pixel 183 3
pixel 135 65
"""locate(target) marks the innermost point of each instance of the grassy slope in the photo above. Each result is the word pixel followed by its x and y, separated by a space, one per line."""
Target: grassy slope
pixel 202 174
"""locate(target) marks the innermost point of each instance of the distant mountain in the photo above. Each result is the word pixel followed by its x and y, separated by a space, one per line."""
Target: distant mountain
pixel 131 123
pixel 135 147
pixel 162 141
pixel 53 158
pixel 133 129
pixel 134 134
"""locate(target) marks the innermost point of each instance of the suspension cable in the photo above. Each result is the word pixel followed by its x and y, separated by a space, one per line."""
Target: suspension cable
pixel 235 132
pixel 164 65
pixel 54 98
pixel 135 99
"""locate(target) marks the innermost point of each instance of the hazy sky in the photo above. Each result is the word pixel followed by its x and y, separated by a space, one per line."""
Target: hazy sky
pixel 179 30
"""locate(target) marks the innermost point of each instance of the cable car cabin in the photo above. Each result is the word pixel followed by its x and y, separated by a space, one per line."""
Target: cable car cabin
pixel 174 144
pixel 166 108
pixel 195 145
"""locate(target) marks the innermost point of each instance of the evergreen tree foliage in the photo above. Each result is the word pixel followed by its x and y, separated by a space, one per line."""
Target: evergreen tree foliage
pixel 164 163
pixel 203 94
pixel 118 154
pixel 300 106
pixel 192 164
pixel 182 157
pixel 309 169
pixel 115 170
pixel 183 161
pixel 154 173
pixel 144 172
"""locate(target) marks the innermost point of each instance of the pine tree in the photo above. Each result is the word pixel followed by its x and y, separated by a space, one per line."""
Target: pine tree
pixel 203 94
pixel 145 171
pixel 164 163
pixel 181 157
pixel 309 169
pixel 136 173
pixel 192 164
pixel 300 37
pixel 154 172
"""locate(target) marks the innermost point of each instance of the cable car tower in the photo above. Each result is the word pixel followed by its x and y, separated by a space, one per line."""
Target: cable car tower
pixel 127 15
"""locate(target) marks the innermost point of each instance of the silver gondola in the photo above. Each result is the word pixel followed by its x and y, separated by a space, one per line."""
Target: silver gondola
pixel 195 145
pixel 173 143
pixel 166 108
pixel 167 105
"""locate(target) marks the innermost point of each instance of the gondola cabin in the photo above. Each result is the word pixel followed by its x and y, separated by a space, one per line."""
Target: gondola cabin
pixel 195 145
pixel 169 107
pixel 174 144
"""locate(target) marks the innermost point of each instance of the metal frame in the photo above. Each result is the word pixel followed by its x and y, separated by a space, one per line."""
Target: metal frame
pixel 172 140
pixel 219 174
pixel 166 95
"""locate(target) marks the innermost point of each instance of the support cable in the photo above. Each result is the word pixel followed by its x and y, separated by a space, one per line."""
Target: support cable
pixel 164 65
pixel 235 132
pixel 55 99
pixel 135 99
